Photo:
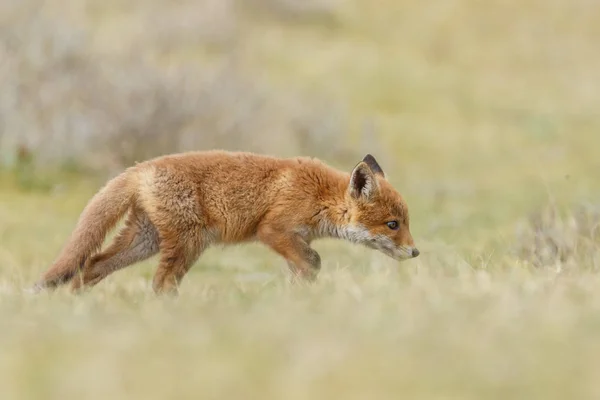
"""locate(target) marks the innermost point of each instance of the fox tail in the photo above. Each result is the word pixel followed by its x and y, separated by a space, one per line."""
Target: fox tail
pixel 99 216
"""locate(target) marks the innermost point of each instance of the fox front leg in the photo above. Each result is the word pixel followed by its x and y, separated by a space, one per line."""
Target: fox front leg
pixel 306 264
pixel 303 261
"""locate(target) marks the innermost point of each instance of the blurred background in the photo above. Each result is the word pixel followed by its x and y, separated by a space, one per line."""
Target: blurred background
pixel 484 114
pixel 479 111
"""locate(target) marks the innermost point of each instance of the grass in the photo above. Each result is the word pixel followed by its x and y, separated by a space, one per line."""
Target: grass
pixel 484 113
pixel 435 328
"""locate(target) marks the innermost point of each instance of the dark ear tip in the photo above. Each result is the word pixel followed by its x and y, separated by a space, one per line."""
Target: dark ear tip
pixel 369 157
pixel 373 164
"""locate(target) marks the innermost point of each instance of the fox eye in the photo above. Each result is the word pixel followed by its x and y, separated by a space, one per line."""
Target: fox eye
pixel 393 225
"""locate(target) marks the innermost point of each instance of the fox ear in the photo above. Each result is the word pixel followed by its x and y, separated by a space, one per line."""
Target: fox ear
pixel 374 165
pixel 363 183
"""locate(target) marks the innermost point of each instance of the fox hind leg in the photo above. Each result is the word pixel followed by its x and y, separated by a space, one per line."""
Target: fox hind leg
pixel 177 257
pixel 136 242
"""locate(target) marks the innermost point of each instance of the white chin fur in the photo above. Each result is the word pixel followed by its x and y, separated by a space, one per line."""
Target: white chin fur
pixel 403 256
pixel 361 235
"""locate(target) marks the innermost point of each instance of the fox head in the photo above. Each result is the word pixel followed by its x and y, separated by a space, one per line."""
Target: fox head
pixel 378 213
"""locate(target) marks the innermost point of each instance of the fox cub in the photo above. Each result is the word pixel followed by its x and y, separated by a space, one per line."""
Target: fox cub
pixel 180 204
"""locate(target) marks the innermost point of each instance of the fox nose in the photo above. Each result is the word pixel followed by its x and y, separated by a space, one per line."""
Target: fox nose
pixel 415 252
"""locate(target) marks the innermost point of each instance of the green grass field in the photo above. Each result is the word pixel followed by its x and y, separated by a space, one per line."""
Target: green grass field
pixel 487 112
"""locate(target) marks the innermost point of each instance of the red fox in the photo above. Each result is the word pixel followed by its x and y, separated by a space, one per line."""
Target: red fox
pixel 180 204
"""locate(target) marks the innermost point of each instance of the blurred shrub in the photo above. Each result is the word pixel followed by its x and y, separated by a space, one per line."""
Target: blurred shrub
pixel 571 239
pixel 313 11
pixel 163 24
pixel 65 103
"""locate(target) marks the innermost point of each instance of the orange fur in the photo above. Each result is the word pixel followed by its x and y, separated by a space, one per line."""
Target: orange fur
pixel 180 204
